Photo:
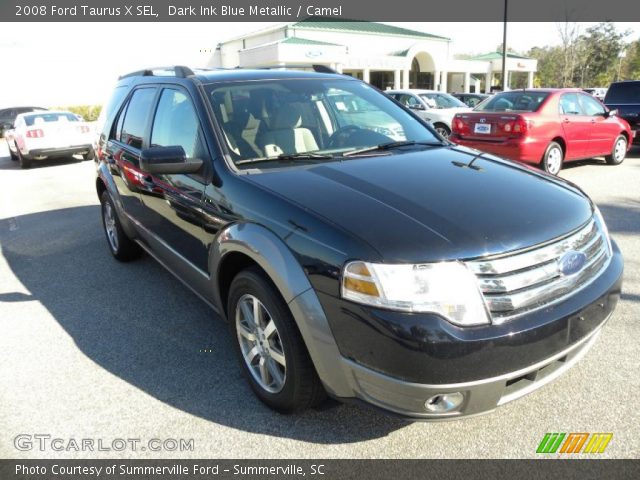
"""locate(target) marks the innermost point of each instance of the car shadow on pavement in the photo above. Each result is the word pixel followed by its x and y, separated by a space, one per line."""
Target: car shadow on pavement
pixel 54 162
pixel 141 324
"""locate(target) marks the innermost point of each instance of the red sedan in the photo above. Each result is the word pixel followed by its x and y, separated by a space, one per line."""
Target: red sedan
pixel 544 127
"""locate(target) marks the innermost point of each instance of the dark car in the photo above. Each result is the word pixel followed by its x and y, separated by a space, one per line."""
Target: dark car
pixel 8 116
pixel 624 98
pixel 409 274
pixel 471 99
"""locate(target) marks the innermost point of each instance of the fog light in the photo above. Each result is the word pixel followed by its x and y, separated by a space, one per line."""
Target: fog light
pixel 444 402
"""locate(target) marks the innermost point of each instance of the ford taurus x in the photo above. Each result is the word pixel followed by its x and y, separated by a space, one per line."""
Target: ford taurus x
pixel 385 265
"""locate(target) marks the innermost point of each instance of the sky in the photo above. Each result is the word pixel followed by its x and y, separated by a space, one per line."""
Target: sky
pixel 62 64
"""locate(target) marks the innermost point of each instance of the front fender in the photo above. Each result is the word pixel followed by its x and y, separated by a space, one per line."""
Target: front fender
pixel 272 255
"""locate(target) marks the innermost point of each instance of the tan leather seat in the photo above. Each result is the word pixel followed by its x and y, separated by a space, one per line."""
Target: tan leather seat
pixel 285 135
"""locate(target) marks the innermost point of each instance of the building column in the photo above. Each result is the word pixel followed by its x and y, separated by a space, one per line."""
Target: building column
pixel 443 83
pixel 487 82
pixel 505 81
pixel 436 79
pixel 338 67
pixel 405 79
pixel 366 75
pixel 396 79
pixel 530 80
pixel 467 82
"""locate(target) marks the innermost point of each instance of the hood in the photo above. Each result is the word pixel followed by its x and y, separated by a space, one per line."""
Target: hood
pixel 428 205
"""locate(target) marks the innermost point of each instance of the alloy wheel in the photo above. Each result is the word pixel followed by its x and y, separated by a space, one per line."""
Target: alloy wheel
pixel 260 344
pixel 110 226
pixel 620 150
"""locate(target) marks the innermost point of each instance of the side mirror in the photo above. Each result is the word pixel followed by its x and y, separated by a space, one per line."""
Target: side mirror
pixel 417 106
pixel 168 160
pixel 611 113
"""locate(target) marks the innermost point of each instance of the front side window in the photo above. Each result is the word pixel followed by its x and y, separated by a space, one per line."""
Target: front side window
pixel 591 106
pixel 176 123
pixel 319 118
pixel 569 104
pixel 136 117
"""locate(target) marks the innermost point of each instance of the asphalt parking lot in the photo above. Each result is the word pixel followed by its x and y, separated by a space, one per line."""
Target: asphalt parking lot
pixel 92 348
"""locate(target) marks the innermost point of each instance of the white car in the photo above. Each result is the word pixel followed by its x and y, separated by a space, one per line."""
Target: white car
pixel 435 107
pixel 49 134
pixel 599 93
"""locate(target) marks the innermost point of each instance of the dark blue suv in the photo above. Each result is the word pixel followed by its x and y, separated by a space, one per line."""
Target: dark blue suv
pixel 353 251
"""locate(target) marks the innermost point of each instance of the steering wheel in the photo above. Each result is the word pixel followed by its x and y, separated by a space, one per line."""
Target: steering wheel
pixel 339 137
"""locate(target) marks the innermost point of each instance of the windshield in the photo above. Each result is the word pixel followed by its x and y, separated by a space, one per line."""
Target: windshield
pixel 442 100
pixel 513 102
pixel 311 119
pixel 31 120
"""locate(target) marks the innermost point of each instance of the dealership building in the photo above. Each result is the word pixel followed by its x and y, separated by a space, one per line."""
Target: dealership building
pixel 385 56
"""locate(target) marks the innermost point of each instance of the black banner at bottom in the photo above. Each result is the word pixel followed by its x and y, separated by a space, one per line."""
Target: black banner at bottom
pixel 547 468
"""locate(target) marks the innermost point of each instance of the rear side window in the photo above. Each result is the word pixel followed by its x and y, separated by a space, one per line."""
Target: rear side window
pixel 136 117
pixel 176 123
pixel 513 102
pixel 624 92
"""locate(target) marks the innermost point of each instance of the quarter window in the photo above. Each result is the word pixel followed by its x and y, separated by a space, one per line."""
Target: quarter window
pixel 136 117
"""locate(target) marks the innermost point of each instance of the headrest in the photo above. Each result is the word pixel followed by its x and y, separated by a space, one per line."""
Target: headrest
pixel 286 118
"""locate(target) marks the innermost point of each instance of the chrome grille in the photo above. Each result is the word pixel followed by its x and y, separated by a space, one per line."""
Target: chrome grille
pixel 526 281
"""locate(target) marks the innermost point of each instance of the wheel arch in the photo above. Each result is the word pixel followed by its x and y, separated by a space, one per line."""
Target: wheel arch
pixel 247 244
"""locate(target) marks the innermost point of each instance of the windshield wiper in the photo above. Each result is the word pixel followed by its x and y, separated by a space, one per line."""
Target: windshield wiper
pixel 390 146
pixel 287 157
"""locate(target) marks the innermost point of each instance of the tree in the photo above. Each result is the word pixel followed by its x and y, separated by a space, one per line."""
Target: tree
pixel 630 69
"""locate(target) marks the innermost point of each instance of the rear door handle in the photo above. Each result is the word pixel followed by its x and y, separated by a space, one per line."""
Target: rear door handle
pixel 566 120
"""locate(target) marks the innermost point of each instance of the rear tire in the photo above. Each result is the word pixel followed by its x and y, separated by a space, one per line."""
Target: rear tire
pixel 553 158
pixel 12 154
pixel 272 353
pixel 25 163
pixel 618 152
pixel 90 155
pixel 120 245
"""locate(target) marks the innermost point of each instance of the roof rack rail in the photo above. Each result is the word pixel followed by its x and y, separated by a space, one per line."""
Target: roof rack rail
pixel 177 70
pixel 316 68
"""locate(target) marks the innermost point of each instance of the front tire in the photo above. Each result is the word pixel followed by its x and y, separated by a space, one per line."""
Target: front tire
pixel 618 152
pixel 553 158
pixel 120 245
pixel 442 130
pixel 274 358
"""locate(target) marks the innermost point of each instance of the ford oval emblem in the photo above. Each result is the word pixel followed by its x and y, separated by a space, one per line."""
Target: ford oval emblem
pixel 571 262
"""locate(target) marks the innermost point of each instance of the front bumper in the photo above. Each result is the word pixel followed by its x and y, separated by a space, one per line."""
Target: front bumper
pixel 482 396
pixel 58 152
pixel 398 361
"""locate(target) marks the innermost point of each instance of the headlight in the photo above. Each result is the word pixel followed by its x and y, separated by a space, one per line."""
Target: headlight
pixel 603 229
pixel 448 289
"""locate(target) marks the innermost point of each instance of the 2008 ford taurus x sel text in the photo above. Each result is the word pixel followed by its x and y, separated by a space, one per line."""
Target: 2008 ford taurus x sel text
pixel 369 262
